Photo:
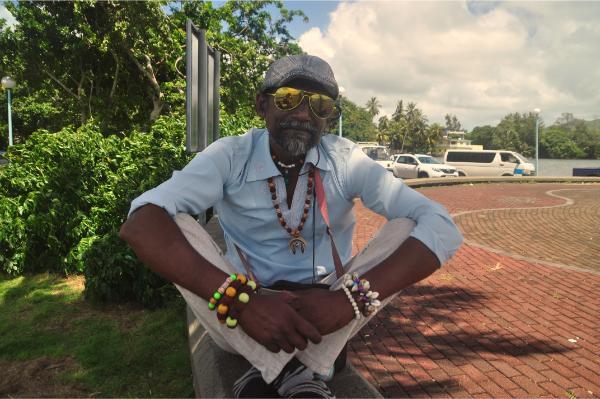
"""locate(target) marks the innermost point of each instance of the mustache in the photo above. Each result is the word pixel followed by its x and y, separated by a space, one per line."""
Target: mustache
pixel 298 125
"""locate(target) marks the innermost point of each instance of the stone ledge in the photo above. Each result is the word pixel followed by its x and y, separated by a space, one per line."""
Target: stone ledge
pixel 450 181
pixel 215 370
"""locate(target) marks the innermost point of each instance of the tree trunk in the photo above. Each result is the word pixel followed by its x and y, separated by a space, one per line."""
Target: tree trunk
pixel 158 101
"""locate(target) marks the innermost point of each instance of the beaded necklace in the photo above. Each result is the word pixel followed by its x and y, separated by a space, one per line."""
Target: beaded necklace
pixel 297 241
pixel 285 168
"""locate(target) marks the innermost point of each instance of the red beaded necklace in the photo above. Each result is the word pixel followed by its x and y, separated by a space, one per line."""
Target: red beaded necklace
pixel 297 241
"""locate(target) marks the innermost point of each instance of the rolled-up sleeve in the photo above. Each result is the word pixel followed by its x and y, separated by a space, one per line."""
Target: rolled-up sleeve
pixel 390 197
pixel 195 188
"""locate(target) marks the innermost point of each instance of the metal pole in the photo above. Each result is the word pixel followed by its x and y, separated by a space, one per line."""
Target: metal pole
pixel 537 166
pixel 340 125
pixel 10 134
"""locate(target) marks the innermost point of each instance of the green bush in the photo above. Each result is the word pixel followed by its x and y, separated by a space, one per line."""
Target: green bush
pixel 64 196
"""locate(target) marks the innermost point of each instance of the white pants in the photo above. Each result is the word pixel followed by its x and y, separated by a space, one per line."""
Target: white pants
pixel 317 357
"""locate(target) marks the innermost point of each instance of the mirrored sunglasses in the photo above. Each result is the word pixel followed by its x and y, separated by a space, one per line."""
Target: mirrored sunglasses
pixel 288 98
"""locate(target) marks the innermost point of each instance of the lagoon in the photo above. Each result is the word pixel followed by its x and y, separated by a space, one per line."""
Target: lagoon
pixel 563 167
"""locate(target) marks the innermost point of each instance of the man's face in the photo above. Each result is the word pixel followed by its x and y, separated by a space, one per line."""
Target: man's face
pixel 295 131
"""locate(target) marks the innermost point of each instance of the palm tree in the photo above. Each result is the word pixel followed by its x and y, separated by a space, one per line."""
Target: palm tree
pixel 373 105
pixel 398 114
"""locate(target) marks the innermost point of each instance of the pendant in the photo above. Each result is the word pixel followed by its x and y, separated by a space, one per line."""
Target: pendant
pixel 297 242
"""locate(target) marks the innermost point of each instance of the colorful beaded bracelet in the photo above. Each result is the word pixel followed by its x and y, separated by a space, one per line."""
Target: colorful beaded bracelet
pixel 362 287
pixel 235 290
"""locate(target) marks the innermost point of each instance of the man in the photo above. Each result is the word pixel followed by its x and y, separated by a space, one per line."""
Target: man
pixel 262 185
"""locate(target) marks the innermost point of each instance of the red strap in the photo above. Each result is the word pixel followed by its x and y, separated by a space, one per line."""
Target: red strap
pixel 321 197
pixel 322 201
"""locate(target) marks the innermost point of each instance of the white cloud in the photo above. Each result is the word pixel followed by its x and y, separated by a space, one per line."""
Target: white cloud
pixel 6 15
pixel 479 61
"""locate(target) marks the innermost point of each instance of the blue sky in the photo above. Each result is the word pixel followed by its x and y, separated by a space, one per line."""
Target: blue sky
pixel 479 60
pixel 316 11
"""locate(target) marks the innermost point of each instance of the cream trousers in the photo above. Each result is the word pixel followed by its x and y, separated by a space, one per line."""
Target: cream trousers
pixel 317 357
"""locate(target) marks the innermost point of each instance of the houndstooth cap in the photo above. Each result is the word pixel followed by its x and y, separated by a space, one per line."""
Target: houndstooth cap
pixel 301 66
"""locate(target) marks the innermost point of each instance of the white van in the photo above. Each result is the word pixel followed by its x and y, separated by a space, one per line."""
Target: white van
pixel 488 163
pixel 378 153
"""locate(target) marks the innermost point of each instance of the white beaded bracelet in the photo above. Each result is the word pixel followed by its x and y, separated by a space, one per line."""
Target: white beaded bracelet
pixel 352 302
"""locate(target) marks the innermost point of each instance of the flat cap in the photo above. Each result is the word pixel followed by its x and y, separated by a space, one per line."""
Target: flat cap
pixel 301 66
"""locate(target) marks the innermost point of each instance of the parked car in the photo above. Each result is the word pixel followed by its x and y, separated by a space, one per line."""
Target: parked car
pixel 378 153
pixel 411 166
pixel 488 163
pixel 2 159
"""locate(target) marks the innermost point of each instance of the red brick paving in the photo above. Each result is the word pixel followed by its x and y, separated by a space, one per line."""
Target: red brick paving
pixel 488 324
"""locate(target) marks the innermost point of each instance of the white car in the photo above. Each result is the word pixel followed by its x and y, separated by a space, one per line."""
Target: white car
pixel 377 153
pixel 411 166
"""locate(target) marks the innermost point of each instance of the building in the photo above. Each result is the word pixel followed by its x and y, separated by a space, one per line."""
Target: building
pixel 455 140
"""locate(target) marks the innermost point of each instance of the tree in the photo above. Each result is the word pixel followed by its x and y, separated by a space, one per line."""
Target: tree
pixel 373 106
pixel 582 134
pixel 383 135
pixel 483 135
pixel 434 134
pixel 452 123
pixel 398 112
pixel 414 132
pixel 123 64
pixel 357 122
pixel 555 143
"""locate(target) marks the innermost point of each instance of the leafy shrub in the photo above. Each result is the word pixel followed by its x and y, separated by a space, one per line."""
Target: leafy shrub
pixel 64 196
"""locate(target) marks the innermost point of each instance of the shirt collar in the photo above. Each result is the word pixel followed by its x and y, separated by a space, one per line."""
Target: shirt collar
pixel 261 166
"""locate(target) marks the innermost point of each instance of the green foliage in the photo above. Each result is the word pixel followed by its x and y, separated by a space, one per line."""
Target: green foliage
pixel 66 194
pixel 357 122
pixel 555 143
pixel 122 63
pixel 483 135
pixel 238 123
pixel 452 123
pixel 568 138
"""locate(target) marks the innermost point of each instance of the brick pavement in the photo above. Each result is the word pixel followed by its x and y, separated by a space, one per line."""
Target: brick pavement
pixel 489 324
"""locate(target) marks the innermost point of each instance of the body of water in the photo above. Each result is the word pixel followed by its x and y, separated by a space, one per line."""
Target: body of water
pixel 564 167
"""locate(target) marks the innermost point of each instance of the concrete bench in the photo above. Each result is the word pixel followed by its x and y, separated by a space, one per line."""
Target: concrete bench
pixel 215 370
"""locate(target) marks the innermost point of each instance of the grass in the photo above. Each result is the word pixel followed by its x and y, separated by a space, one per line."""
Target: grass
pixel 117 350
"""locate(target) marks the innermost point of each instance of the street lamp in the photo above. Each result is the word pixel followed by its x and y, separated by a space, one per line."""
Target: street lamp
pixel 9 83
pixel 342 91
pixel 537 122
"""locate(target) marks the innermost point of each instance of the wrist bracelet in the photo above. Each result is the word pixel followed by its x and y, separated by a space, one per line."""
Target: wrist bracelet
pixel 352 302
pixel 362 287
pixel 231 297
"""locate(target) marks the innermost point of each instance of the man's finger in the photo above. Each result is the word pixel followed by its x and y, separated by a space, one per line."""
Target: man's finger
pixel 273 348
pixel 297 340
pixel 306 329
pixel 285 345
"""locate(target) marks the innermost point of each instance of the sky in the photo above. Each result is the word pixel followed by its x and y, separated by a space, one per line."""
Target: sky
pixel 478 60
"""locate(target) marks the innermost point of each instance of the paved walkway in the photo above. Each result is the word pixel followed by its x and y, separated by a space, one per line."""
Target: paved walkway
pixel 516 313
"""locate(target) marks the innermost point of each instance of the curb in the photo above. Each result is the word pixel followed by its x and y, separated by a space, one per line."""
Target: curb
pixel 451 181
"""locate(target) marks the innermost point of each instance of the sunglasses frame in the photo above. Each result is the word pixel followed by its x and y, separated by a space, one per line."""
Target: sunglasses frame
pixel 305 94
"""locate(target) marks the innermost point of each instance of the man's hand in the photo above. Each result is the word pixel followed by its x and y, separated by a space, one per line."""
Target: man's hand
pixel 327 310
pixel 273 323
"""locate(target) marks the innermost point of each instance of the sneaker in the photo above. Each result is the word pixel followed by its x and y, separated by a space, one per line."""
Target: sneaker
pixel 314 388
pixel 252 385
pixel 298 381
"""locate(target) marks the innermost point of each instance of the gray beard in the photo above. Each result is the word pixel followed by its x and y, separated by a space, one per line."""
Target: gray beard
pixel 297 143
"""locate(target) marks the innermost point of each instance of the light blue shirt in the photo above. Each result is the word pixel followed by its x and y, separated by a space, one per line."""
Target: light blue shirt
pixel 231 175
